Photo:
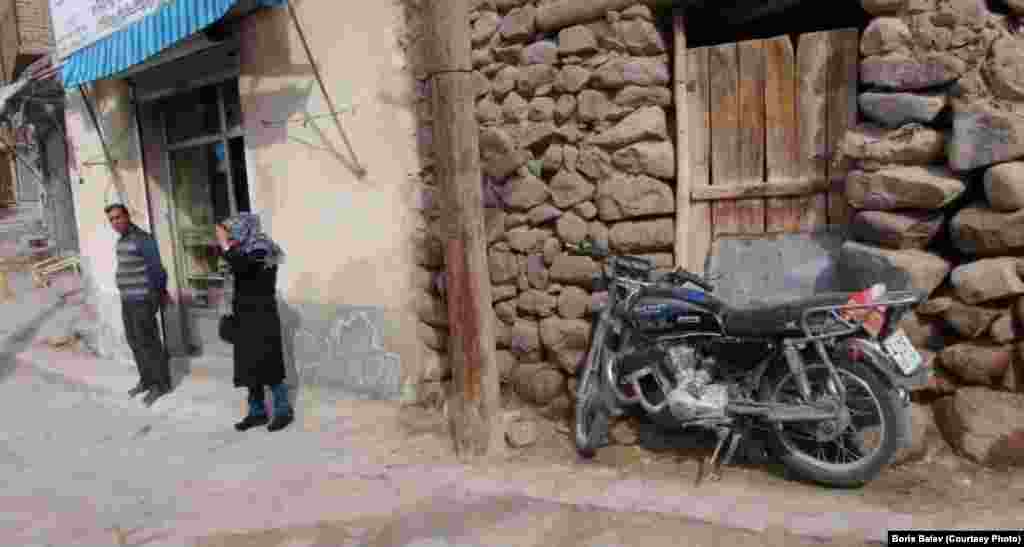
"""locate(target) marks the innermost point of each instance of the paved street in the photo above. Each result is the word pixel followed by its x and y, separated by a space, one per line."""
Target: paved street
pixel 82 464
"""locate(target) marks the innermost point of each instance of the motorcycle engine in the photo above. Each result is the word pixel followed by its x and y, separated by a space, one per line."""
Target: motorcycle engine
pixel 695 396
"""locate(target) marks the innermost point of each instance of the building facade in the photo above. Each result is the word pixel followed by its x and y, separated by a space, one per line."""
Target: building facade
pixel 24 38
pixel 232 118
pixel 33 171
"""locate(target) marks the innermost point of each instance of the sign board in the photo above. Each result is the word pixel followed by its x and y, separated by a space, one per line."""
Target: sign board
pixel 81 23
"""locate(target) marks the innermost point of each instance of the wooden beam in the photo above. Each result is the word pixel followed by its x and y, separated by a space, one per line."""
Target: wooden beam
pixel 724 102
pixel 745 191
pixel 782 139
pixel 682 248
pixel 566 13
pixel 812 54
pixel 477 429
pixel 698 116
pixel 842 114
pixel 751 65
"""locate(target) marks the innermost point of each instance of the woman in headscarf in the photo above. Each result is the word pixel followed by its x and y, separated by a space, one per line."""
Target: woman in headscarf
pixel 259 360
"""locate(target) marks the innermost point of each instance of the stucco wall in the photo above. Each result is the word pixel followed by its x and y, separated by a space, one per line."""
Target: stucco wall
pixel 348 273
pixel 343 212
pixel 95 184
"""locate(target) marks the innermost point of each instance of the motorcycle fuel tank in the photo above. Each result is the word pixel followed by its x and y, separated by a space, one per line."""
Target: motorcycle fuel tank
pixel 653 315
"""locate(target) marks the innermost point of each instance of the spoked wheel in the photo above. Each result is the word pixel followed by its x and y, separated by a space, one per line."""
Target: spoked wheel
pixel 591 413
pixel 851 450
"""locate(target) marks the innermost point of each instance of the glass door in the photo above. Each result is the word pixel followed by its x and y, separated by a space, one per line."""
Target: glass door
pixel 205 152
pixel 202 198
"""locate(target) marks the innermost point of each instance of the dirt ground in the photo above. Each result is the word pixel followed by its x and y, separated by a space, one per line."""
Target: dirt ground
pixel 565 527
pixel 941 482
pixel 944 483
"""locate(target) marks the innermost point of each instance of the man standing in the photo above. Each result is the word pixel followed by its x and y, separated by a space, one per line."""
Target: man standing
pixel 142 282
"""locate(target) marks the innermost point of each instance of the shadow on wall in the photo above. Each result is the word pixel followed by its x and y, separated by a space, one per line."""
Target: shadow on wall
pixel 94 165
pixel 285 116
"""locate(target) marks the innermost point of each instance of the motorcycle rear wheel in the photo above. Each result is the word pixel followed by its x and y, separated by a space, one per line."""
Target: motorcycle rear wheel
pixel 808 458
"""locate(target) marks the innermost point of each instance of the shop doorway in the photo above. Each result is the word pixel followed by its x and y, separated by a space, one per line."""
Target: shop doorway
pixel 205 157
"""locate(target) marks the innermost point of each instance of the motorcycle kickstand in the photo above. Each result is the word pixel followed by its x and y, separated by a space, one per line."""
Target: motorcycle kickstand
pixel 712 468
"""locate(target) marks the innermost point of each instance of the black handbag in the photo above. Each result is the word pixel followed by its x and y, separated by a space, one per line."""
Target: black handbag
pixel 228 328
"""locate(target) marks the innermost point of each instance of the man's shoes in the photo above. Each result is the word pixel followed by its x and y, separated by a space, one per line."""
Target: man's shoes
pixel 280 422
pixel 137 390
pixel 251 421
pixel 154 394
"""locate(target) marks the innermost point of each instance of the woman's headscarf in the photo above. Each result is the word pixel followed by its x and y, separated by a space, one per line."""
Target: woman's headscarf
pixel 245 229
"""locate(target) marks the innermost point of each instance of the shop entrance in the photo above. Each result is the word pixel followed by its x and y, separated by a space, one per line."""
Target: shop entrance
pixel 205 156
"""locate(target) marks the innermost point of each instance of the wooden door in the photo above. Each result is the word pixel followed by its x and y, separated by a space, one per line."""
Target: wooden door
pixel 758 122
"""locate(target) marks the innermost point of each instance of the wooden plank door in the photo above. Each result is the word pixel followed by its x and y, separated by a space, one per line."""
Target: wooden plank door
pixel 813 54
pixel 782 140
pixel 760 121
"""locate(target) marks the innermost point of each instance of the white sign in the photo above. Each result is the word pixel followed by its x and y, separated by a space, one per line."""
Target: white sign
pixel 80 23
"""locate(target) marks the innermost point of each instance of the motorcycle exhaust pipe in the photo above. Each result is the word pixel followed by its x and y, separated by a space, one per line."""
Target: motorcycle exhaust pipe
pixel 782 414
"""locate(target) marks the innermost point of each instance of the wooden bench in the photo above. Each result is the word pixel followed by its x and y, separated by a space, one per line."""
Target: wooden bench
pixel 42 270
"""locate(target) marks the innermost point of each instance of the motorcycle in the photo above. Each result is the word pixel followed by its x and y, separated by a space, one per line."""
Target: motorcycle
pixel 823 376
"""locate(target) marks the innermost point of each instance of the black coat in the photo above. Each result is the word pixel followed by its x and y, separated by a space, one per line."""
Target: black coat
pixel 258 355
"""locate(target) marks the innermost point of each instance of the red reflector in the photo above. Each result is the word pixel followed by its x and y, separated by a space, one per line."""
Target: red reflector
pixel 856 354
pixel 628 390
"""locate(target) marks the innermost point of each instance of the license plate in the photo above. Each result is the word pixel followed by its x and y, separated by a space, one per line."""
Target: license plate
pixel 903 352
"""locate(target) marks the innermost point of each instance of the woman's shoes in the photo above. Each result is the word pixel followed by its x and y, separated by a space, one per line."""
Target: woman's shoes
pixel 277 424
pixel 283 415
pixel 250 422
pixel 280 422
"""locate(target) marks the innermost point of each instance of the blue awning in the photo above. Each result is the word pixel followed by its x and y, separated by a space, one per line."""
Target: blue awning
pixel 172 22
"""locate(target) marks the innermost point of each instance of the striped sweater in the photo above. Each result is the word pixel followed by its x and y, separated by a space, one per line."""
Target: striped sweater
pixel 140 274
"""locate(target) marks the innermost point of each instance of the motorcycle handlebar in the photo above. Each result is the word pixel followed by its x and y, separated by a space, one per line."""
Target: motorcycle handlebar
pixel 590 248
pixel 695 279
pixel 593 250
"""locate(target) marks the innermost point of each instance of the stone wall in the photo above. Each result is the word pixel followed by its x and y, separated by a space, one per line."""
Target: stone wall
pixel 938 182
pixel 575 141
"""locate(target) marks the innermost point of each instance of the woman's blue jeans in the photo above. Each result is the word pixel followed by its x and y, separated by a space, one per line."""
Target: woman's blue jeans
pixel 258 407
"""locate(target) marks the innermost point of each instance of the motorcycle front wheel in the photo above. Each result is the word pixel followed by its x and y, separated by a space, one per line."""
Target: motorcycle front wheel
pixel 848 452
pixel 591 413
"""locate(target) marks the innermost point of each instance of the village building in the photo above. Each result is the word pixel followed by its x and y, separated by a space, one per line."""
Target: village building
pixel 676 130
pixel 188 112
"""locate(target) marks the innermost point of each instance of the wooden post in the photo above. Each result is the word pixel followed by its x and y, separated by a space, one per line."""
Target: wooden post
pixel 5 286
pixel 474 409
pixel 682 100
pixel 698 135
pixel 842 115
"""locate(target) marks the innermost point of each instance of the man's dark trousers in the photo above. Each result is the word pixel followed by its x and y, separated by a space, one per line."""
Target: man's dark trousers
pixel 143 335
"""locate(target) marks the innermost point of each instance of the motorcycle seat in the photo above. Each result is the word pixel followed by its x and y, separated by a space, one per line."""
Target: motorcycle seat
pixel 776 319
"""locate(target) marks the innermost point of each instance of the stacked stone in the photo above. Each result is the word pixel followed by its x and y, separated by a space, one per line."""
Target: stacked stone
pixel 428 281
pixel 574 142
pixel 939 190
